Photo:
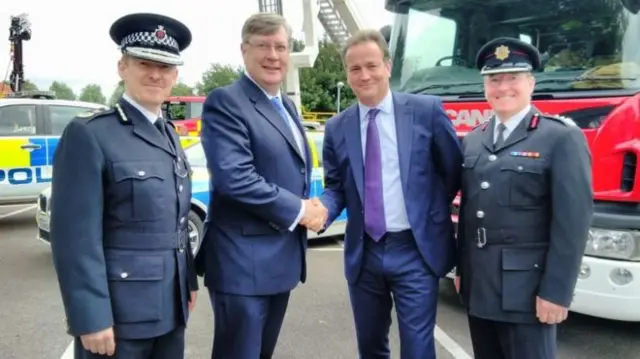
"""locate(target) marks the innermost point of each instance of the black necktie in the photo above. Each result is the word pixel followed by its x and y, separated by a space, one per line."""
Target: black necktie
pixel 160 126
pixel 500 141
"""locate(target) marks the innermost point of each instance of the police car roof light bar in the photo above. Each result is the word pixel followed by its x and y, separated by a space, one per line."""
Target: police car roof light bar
pixel 48 95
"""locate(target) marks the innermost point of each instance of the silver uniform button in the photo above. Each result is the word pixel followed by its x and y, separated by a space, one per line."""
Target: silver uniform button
pixel 124 275
pixel 182 220
pixel 480 214
pixel 520 168
pixel 141 173
pixel 180 188
pixel 492 158
pixel 484 185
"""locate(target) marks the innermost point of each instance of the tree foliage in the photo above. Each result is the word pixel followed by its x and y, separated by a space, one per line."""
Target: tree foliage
pixel 62 90
pixel 92 93
pixel 319 84
pixel 216 76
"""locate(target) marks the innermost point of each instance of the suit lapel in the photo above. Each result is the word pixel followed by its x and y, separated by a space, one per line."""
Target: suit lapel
pixel 143 128
pixel 404 117
pixel 288 104
pixel 353 141
pixel 269 112
pixel 520 132
pixel 487 134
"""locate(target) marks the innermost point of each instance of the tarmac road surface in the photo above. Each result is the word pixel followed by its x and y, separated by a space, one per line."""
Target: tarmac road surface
pixel 319 323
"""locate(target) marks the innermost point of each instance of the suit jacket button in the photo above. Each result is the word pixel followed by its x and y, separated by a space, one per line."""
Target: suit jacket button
pixel 492 158
pixel 480 214
pixel 484 185
pixel 124 275
pixel 141 173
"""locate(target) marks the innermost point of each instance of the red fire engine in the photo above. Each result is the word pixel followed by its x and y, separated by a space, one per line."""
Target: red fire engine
pixel 185 113
pixel 591 59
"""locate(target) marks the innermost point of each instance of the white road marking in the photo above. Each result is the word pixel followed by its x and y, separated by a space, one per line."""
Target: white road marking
pixel 68 353
pixel 450 345
pixel 18 211
pixel 327 249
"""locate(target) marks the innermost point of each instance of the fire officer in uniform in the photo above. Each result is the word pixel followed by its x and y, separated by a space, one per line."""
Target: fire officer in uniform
pixel 120 199
pixel 525 212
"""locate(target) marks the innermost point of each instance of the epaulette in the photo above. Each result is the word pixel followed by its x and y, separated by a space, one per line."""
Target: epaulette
pixel 564 120
pixel 535 121
pixel 121 115
pixel 482 125
pixel 92 114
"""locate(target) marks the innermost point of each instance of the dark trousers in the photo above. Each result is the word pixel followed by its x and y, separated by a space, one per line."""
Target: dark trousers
pixel 393 267
pixel 501 340
pixel 247 327
pixel 168 346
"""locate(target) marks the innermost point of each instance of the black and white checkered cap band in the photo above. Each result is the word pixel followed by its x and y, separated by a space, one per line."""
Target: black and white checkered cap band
pixel 149 38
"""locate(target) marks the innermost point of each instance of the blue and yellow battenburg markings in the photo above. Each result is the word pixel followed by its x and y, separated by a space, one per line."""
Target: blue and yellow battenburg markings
pixel 525 154
pixel 19 166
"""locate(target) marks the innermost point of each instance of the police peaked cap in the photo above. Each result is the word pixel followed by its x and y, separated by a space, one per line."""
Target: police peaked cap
pixel 151 37
pixel 506 54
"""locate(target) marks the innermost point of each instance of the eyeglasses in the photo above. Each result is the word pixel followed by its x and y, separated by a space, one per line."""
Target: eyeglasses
pixel 266 47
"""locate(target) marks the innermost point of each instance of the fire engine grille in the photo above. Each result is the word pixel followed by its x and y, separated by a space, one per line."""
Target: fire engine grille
pixel 628 172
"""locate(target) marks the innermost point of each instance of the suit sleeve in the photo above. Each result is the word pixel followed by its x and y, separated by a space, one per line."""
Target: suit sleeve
pixel 447 149
pixel 227 146
pixel 572 209
pixel 76 230
pixel 333 195
pixel 460 240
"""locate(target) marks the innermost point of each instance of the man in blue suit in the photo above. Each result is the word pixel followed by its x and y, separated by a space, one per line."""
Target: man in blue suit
pixel 253 253
pixel 394 161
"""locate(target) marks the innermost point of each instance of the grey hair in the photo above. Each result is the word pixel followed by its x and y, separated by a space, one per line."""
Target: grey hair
pixel 367 35
pixel 265 23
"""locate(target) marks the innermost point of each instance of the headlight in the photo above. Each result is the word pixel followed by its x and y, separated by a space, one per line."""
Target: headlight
pixel 613 244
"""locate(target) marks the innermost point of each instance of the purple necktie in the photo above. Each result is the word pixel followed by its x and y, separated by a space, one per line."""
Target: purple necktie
pixel 374 221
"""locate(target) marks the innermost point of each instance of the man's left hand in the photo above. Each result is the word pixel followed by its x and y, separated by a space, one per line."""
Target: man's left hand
pixel 192 300
pixel 550 313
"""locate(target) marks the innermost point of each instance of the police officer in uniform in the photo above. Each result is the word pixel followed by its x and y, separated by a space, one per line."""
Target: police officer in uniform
pixel 120 199
pixel 525 213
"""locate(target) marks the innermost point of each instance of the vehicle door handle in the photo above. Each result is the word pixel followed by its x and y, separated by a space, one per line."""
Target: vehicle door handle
pixel 31 147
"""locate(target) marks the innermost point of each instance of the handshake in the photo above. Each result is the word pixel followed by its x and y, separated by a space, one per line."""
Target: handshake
pixel 315 215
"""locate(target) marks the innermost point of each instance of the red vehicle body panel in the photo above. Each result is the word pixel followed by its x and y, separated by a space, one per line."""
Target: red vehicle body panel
pixel 187 126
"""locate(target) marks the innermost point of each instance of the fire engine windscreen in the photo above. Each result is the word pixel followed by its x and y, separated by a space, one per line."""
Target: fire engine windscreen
pixel 586 45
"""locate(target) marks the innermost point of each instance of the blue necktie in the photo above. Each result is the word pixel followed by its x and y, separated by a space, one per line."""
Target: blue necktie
pixel 374 220
pixel 281 110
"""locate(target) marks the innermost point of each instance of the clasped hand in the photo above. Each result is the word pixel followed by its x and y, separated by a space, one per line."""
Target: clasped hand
pixel 315 215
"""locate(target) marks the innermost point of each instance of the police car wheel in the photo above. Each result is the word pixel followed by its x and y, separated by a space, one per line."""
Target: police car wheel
pixel 195 228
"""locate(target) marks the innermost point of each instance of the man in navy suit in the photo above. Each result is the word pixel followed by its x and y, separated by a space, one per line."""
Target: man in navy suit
pixel 394 161
pixel 253 253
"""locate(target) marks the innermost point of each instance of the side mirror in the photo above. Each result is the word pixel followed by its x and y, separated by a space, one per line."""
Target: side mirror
pixel 631 5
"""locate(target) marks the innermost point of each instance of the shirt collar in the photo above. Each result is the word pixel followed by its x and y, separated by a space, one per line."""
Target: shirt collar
pixel 269 96
pixel 385 106
pixel 152 117
pixel 513 122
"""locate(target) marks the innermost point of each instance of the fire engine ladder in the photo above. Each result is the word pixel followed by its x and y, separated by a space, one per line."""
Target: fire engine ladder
pixel 339 19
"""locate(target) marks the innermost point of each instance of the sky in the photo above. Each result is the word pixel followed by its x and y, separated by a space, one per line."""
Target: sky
pixel 70 38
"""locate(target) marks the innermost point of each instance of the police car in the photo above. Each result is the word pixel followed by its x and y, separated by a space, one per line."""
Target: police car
pixel 200 192
pixel 30 126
